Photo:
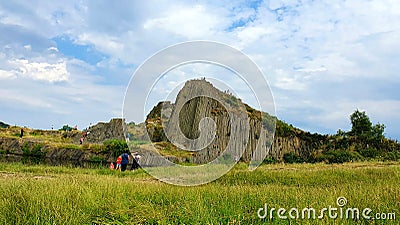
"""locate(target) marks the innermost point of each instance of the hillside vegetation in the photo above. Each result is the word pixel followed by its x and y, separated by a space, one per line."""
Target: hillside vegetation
pixel 364 141
pixel 43 145
pixel 3 125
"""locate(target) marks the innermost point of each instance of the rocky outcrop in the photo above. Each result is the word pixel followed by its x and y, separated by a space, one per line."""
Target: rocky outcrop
pixel 105 131
pixel 28 147
pixel 198 100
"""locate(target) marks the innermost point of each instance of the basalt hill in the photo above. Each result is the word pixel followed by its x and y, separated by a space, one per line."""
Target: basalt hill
pixel 185 116
pixel 289 144
pixel 184 119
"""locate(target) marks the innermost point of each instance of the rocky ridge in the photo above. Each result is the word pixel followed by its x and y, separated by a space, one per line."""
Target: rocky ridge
pixel 187 115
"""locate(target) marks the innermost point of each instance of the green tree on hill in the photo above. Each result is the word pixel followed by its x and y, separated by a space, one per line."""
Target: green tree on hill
pixel 360 123
pixel 362 127
pixel 65 128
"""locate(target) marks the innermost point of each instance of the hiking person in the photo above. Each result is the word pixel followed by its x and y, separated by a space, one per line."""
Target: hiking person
pixel 125 161
pixel 119 160
pixel 135 163
pixel 22 133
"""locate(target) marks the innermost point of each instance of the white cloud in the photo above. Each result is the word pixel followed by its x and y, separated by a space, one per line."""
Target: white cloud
pixel 28 47
pixel 189 22
pixel 249 35
pixel 312 70
pixel 53 49
pixel 284 80
pixel 51 72
pixel 4 74
pixel 104 42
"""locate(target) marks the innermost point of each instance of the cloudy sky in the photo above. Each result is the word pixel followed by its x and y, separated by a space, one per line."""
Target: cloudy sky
pixel 69 62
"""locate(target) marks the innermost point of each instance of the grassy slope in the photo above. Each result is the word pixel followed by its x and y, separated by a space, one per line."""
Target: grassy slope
pixel 61 195
pixel 50 136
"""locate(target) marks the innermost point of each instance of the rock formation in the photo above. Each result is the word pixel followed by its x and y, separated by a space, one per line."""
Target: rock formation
pixel 106 131
pixel 198 100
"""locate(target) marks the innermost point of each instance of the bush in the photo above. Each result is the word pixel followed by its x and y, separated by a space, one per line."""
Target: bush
pixel 66 128
pixel 97 159
pixel 115 146
pixel 37 132
pixel 391 156
pixel 292 158
pixel 369 152
pixel 337 156
pixel 227 159
pixel 269 160
pixel 35 150
pixel 283 129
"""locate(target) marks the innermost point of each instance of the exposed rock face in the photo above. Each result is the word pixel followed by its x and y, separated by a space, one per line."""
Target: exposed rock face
pixel 64 145
pixel 17 146
pixel 106 131
pixel 209 121
pixel 184 126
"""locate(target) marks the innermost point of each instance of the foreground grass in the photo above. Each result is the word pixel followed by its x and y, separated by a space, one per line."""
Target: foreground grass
pixel 61 195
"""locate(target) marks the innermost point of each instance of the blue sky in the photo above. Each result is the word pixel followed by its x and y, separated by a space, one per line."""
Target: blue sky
pixel 69 62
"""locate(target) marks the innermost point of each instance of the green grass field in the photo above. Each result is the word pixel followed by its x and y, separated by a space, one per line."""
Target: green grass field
pixel 39 194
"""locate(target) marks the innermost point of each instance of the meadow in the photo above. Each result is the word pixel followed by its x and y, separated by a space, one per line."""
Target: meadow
pixel 41 194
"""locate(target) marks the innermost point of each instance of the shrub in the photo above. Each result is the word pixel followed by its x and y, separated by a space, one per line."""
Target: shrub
pixel 337 156
pixel 115 146
pixel 369 152
pixel 292 158
pixel 355 156
pixel 66 128
pixel 269 160
pixel 283 129
pixel 226 159
pixel 37 132
pixel 391 156
pixel 35 150
pixel 97 159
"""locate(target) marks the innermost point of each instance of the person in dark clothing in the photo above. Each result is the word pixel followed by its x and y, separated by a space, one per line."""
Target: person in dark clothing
pixel 135 162
pixel 125 161
pixel 22 133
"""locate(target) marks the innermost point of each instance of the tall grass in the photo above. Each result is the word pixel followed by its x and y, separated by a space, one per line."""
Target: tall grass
pixel 65 195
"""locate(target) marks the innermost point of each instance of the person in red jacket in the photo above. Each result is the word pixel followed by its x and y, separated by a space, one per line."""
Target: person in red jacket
pixel 119 161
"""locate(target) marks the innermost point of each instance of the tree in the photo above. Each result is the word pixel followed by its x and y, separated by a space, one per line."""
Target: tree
pixel 378 130
pixel 115 146
pixel 65 128
pixel 361 125
pixel 363 128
